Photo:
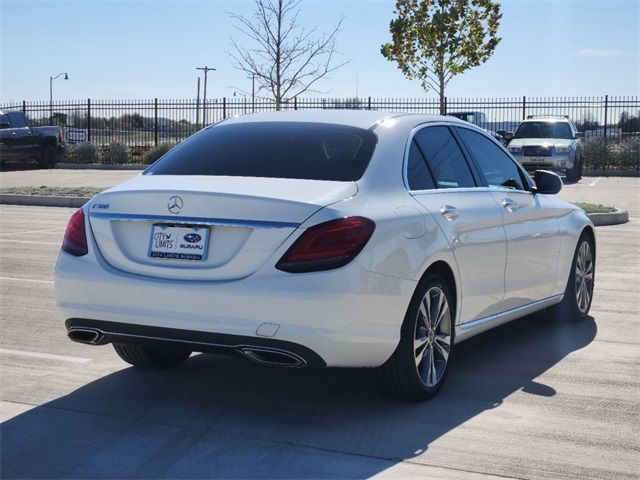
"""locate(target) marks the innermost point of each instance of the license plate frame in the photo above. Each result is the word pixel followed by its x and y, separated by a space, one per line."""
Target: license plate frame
pixel 160 248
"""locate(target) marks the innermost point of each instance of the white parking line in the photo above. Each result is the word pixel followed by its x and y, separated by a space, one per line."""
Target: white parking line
pixel 28 241
pixel 48 356
pixel 29 280
pixel 29 231
pixel 595 181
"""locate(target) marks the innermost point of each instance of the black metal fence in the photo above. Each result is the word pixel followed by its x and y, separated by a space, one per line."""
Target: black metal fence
pixel 145 123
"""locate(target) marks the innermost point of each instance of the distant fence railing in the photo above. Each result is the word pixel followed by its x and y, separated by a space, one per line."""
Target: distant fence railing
pixel 145 123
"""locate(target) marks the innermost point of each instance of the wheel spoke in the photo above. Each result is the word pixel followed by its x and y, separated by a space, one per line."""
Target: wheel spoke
pixel 443 350
pixel 424 312
pixel 434 305
pixel 432 367
pixel 419 345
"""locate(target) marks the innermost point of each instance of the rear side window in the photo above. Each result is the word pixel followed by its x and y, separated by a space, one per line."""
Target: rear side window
pixel 444 157
pixel 17 120
pixel 313 151
pixel 497 167
pixel 418 175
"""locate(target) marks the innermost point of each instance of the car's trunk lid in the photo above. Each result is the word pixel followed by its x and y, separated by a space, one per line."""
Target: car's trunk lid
pixel 246 220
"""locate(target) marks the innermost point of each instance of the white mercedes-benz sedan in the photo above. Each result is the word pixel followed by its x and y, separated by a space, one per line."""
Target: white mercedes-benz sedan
pixel 324 239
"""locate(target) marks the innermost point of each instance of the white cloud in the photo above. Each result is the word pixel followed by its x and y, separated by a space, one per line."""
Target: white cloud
pixel 595 53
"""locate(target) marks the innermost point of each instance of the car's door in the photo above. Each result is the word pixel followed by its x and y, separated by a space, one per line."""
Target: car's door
pixel 22 141
pixel 441 179
pixel 7 139
pixel 533 241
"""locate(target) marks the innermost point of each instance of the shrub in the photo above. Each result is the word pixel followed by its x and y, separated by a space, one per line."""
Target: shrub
pixel 116 152
pixel 602 153
pixel 597 153
pixel 85 152
pixel 156 152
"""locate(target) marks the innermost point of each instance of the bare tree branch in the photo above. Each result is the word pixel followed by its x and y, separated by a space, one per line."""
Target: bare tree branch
pixel 285 59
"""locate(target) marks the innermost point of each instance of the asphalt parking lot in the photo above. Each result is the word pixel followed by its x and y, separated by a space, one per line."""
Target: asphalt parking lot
pixel 535 398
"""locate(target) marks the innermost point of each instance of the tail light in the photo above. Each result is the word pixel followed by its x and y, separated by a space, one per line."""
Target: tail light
pixel 75 237
pixel 328 245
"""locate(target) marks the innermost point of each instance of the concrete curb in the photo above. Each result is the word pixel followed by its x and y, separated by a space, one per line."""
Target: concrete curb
pixel 613 218
pixel 97 166
pixel 611 173
pixel 43 200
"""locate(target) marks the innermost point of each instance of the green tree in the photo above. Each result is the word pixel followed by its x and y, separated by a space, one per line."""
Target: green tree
pixel 435 40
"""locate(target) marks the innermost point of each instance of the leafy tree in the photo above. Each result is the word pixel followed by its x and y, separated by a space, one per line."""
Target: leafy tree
pixel 435 40
pixel 285 59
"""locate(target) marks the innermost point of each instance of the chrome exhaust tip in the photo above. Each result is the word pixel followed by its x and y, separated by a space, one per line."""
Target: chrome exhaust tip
pixel 268 356
pixel 85 335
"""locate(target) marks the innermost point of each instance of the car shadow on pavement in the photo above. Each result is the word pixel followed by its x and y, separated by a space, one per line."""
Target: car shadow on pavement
pixel 225 417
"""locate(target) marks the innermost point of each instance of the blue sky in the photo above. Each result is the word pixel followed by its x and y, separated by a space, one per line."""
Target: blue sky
pixel 150 48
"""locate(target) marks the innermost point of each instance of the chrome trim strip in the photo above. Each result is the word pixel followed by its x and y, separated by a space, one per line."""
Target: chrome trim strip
pixel 224 222
pixel 467 330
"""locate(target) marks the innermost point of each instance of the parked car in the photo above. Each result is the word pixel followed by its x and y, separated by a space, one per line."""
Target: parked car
pixel 479 119
pixel 324 239
pixel 551 143
pixel 19 141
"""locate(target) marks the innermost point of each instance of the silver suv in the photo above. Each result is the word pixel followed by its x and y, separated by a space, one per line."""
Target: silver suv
pixel 551 143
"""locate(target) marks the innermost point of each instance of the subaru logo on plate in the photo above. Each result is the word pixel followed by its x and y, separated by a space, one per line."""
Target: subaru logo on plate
pixel 175 204
pixel 192 238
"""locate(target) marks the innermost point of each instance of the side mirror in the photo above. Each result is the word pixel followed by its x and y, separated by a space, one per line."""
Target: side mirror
pixel 579 134
pixel 547 182
pixel 4 125
pixel 506 135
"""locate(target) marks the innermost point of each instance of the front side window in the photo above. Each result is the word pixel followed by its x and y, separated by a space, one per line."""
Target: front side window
pixel 444 157
pixel 498 168
pixel 314 151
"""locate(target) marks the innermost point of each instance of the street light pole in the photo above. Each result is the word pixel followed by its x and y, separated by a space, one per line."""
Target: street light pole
pixel 51 79
pixel 205 69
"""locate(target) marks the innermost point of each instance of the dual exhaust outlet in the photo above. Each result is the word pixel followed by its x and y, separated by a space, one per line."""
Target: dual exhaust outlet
pixel 262 355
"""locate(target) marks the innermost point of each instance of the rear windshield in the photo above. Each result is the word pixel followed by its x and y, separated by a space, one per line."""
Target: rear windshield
pixel 314 151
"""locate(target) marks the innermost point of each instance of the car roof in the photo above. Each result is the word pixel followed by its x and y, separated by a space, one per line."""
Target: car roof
pixel 547 119
pixel 355 118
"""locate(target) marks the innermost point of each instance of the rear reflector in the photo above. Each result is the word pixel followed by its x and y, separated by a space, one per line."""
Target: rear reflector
pixel 328 245
pixel 75 237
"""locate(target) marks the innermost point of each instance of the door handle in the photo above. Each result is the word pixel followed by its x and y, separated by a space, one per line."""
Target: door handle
pixel 510 205
pixel 449 212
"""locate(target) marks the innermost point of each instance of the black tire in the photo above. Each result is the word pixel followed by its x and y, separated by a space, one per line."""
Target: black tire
pixel 151 357
pixel 400 376
pixel 569 308
pixel 573 173
pixel 48 157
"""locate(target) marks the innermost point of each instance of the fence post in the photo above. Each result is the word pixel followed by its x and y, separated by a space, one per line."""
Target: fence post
pixel 369 104
pixel 155 123
pixel 524 107
pixel 224 107
pixel 445 105
pixel 88 119
pixel 24 107
pixel 606 111
pixel 295 103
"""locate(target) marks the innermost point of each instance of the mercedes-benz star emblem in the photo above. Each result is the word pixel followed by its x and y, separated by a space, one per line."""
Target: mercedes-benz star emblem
pixel 175 204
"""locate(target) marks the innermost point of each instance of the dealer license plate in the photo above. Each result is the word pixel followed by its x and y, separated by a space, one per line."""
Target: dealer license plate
pixel 179 241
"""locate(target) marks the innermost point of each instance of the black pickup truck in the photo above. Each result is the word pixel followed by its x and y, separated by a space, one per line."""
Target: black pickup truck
pixel 19 141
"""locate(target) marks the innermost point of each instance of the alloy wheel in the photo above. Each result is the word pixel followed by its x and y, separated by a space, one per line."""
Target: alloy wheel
pixel 432 341
pixel 584 277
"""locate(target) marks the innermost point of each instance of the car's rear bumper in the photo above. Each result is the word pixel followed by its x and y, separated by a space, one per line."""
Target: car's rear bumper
pixel 348 317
